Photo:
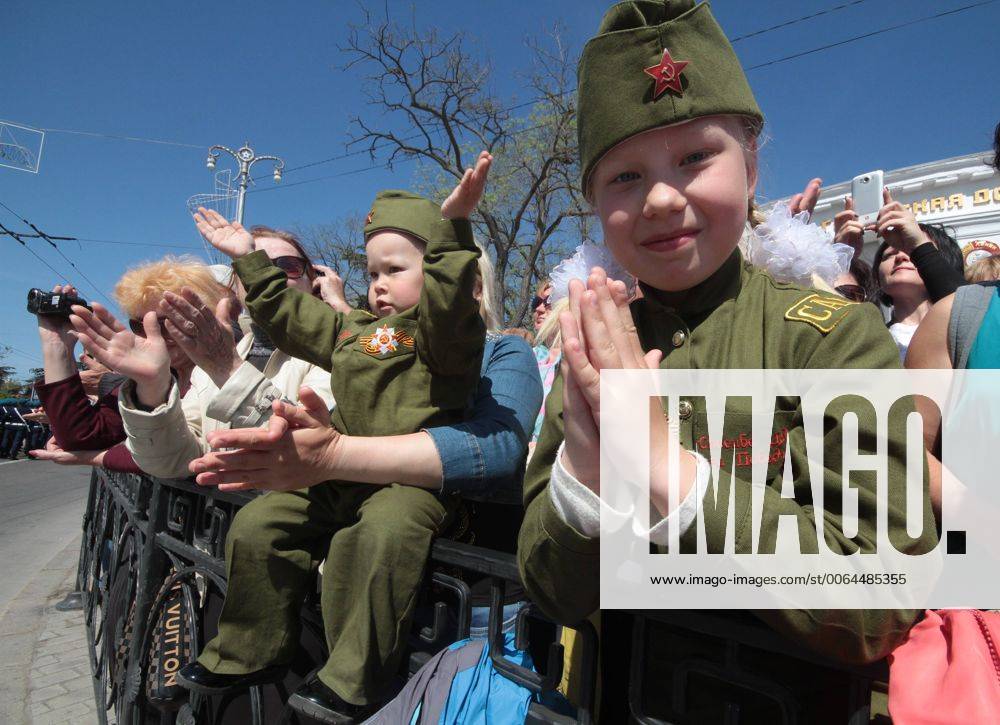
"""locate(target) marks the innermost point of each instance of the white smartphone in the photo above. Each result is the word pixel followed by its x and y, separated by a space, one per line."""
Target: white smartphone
pixel 866 194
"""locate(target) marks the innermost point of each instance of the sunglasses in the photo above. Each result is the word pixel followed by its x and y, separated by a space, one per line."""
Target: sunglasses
pixel 536 300
pixel 853 292
pixel 294 267
pixel 139 331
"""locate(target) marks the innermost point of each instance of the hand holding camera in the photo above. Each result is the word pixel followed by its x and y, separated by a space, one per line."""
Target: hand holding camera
pixel 53 310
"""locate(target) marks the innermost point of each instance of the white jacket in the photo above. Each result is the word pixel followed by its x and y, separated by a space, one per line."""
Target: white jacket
pixel 166 439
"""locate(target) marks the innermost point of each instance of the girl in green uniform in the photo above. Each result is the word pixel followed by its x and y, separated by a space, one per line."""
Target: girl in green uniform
pixel 668 130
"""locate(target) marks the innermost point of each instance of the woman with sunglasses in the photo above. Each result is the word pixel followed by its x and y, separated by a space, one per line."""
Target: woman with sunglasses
pixel 232 384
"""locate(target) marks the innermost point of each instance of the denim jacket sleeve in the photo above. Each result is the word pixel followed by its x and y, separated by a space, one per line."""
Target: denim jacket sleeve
pixel 483 457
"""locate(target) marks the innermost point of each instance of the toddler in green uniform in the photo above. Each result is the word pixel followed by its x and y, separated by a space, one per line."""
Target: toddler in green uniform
pixel 668 130
pixel 412 362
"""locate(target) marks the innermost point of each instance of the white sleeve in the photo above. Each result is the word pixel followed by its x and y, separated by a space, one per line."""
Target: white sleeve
pixel 581 508
pixel 164 440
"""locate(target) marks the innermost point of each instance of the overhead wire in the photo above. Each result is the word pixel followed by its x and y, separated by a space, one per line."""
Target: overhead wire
pixel 158 245
pixel 873 33
pixel 55 246
pixel 133 244
pixel 17 238
pixel 863 36
pixel 794 21
pixel 118 137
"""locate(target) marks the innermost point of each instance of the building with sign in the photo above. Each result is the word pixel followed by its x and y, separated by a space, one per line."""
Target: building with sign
pixel 962 193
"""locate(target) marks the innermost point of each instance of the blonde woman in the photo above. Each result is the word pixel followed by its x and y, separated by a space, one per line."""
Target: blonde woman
pixel 187 373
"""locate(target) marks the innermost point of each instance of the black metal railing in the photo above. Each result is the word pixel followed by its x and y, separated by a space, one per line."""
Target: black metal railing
pixel 153 579
pixel 150 545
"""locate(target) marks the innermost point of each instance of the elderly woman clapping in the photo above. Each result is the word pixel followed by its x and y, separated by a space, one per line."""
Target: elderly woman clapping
pixel 187 373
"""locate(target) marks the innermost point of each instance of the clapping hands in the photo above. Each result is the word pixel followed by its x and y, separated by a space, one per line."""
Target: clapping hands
pixel 145 360
pixel 597 333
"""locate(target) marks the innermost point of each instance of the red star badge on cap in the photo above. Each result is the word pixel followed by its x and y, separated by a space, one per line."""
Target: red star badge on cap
pixel 667 74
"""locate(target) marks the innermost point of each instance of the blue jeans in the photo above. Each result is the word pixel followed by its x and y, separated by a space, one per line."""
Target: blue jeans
pixel 479 626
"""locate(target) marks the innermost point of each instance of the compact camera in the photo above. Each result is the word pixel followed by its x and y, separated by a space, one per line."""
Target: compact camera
pixel 41 302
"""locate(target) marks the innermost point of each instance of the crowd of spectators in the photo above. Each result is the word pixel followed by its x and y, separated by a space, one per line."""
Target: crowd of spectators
pixel 189 361
pixel 214 374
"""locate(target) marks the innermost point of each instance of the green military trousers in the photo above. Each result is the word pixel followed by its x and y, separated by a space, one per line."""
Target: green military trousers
pixel 376 541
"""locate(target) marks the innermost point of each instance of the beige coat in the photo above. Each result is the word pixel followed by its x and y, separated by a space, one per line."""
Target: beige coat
pixel 166 439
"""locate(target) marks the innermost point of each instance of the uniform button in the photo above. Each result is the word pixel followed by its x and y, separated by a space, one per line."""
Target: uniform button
pixel 684 409
pixel 678 338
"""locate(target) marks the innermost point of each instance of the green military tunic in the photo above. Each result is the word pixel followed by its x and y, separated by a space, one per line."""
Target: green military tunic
pixel 393 375
pixel 389 376
pixel 741 318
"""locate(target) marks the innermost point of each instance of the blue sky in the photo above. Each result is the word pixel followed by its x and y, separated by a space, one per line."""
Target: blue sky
pixel 272 73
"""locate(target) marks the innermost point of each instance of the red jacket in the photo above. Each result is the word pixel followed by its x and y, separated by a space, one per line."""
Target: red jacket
pixel 76 424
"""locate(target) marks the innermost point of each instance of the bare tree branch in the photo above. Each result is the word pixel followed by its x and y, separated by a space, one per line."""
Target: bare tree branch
pixel 431 103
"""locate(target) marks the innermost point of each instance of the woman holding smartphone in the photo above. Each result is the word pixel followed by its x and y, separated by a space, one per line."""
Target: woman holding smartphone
pixel 915 265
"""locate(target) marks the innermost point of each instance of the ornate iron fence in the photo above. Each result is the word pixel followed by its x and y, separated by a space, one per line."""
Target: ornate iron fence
pixel 152 574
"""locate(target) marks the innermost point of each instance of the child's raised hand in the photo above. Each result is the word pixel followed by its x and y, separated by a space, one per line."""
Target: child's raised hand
pixel 230 238
pixel 463 200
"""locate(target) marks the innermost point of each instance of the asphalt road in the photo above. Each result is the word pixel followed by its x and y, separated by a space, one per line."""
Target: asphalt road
pixel 41 508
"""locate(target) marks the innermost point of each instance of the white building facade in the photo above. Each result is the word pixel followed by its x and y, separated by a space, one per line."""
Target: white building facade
pixel 961 193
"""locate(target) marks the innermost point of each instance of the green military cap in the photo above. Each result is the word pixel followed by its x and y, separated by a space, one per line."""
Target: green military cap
pixel 402 211
pixel 654 63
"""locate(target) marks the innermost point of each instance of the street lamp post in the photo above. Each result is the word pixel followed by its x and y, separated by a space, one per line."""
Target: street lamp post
pixel 246 158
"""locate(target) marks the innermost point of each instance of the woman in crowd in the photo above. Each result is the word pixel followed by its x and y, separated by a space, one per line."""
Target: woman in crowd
pixel 669 162
pixel 962 331
pixel 540 304
pixel 88 434
pixel 915 265
pixel 233 384
pixel 903 286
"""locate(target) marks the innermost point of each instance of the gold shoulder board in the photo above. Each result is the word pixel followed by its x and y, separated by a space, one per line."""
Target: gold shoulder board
pixel 821 311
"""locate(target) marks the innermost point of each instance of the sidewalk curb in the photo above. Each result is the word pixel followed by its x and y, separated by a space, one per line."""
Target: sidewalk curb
pixel 21 625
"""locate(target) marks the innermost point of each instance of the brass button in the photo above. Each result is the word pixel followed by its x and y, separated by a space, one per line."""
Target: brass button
pixel 678 338
pixel 684 409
